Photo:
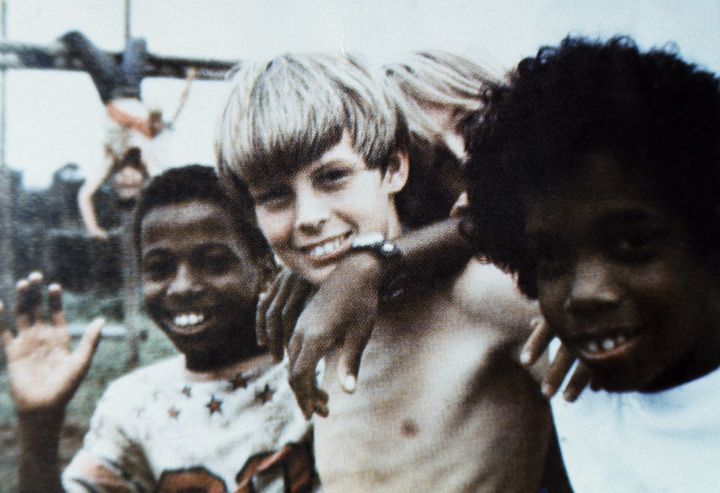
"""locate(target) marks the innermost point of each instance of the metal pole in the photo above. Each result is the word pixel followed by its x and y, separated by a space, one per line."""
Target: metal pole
pixel 128 12
pixel 7 253
pixel 131 275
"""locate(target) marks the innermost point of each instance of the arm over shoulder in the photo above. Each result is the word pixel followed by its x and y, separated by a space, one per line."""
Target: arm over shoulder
pixel 490 297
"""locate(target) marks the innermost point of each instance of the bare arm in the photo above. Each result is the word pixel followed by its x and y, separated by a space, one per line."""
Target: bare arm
pixel 85 204
pixel 344 309
pixel 191 76
pixel 44 375
pixel 141 125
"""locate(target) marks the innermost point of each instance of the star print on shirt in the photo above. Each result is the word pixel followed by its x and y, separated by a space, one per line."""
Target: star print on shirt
pixel 173 412
pixel 186 390
pixel 265 395
pixel 238 382
pixel 214 406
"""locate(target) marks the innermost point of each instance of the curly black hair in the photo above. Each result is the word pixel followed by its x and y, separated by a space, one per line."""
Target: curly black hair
pixel 653 113
pixel 198 182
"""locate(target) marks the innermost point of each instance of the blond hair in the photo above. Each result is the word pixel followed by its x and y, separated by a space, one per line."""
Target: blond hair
pixel 284 113
pixel 435 79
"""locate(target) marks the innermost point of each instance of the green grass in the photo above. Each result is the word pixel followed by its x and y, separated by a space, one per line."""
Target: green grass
pixel 108 364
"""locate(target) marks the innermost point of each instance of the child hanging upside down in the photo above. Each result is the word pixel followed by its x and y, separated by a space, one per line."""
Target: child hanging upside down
pixel 134 133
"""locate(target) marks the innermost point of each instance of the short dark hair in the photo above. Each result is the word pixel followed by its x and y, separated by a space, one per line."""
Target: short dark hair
pixel 653 113
pixel 198 182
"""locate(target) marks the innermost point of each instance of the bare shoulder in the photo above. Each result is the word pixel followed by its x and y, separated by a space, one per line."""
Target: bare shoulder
pixel 490 297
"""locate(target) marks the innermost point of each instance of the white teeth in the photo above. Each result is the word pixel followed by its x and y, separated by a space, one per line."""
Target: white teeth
pixel 326 248
pixel 605 344
pixel 608 344
pixel 186 319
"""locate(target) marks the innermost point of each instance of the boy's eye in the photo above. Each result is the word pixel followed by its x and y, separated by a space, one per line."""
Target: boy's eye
pixel 217 262
pixel 273 198
pixel 551 261
pixel 331 177
pixel 633 246
pixel 158 269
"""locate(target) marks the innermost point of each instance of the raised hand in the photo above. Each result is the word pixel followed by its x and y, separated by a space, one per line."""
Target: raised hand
pixel 44 374
pixel 536 345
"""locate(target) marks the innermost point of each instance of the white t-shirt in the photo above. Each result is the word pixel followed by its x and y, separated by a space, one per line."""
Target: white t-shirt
pixel 160 429
pixel 634 442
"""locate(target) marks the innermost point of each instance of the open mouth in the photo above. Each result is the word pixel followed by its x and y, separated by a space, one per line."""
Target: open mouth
pixel 189 322
pixel 608 345
pixel 328 249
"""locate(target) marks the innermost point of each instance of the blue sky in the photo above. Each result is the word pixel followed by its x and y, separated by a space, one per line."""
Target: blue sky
pixel 56 117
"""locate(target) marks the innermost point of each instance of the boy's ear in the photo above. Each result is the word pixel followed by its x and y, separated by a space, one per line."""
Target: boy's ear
pixel 397 172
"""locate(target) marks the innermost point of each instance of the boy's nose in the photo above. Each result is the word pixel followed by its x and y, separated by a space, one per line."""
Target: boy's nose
pixel 184 283
pixel 312 213
pixel 593 288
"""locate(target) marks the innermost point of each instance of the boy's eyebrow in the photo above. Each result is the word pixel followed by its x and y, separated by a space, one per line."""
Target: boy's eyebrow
pixel 153 252
pixel 259 185
pixel 626 217
pixel 610 220
pixel 336 162
pixel 204 248
pixel 536 239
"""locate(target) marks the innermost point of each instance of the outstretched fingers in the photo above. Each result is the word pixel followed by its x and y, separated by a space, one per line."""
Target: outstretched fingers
pixel 7 336
pixel 537 343
pixel 351 355
pixel 88 344
pixel 304 358
pixel 57 316
pixel 261 312
pixel 577 383
pixel 559 368
pixel 23 308
pixel 35 297
pixel 300 291
pixel 273 318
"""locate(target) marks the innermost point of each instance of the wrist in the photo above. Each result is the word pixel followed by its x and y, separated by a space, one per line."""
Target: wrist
pixel 365 267
pixel 40 440
pixel 40 422
pixel 382 263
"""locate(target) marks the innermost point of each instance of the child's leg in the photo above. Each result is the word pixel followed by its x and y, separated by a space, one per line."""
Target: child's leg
pixel 101 67
pixel 133 67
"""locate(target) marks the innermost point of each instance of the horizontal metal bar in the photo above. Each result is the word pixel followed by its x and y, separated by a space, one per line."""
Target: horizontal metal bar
pixel 55 57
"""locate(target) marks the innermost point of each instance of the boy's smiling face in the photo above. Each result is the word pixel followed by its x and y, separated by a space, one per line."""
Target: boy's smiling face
pixel 310 218
pixel 197 279
pixel 620 283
